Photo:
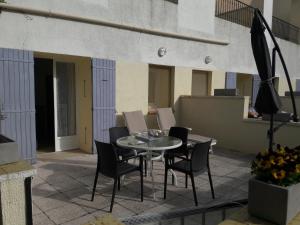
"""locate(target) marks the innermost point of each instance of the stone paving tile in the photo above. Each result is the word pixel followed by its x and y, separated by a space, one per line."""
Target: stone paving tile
pixel 66 213
pixel 63 188
pixel 63 182
pixel 44 190
pixel 36 181
pixel 99 202
pixel 81 220
pixel 50 202
pixel 35 209
pixel 137 206
pixel 42 219
pixel 119 211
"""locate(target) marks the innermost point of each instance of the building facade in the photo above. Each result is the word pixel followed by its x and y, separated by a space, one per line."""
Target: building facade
pixel 69 69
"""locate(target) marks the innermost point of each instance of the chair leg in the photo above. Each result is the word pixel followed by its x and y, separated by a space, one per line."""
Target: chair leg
pixel 194 189
pixel 113 194
pixel 95 183
pixel 186 180
pixel 165 182
pixel 142 183
pixel 211 184
pixel 119 183
pixel 145 162
pixel 173 178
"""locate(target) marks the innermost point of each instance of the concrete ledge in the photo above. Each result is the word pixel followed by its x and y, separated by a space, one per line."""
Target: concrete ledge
pixel 17 170
pixel 260 121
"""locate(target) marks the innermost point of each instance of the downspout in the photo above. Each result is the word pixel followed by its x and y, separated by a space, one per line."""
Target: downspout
pixel 63 16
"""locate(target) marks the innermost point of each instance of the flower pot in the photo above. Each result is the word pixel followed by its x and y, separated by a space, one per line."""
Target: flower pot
pixel 273 203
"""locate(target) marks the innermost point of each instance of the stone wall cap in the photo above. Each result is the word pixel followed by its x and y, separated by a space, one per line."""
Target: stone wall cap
pixel 16 170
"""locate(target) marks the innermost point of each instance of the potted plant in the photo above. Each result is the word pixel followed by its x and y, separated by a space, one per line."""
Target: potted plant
pixel 274 193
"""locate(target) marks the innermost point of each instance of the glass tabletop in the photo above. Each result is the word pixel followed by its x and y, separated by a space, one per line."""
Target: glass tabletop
pixel 156 143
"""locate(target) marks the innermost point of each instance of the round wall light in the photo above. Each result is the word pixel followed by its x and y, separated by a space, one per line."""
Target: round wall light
pixel 208 59
pixel 162 51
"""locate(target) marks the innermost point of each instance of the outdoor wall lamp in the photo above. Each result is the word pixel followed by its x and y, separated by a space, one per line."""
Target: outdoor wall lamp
pixel 162 51
pixel 208 59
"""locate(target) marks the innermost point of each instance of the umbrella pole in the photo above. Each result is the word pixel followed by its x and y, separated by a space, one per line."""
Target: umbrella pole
pixel 276 48
pixel 271 132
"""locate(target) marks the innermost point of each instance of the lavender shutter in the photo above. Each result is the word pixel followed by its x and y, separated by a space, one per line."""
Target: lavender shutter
pixel 298 85
pixel 230 82
pixel 17 100
pixel 255 88
pixel 103 78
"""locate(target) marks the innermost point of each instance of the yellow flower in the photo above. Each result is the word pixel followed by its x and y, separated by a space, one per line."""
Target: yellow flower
pixel 297 168
pixel 280 161
pixel 278 175
pixel 272 159
pixel 281 150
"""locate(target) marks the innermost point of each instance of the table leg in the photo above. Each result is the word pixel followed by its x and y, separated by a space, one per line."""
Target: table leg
pixel 152 175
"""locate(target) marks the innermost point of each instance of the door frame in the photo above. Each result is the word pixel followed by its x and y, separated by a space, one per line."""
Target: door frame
pixel 67 142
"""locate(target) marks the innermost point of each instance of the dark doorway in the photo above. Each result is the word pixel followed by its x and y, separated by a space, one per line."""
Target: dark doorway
pixel 44 104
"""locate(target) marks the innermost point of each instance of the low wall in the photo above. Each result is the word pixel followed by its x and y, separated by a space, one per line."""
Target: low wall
pixel 225 118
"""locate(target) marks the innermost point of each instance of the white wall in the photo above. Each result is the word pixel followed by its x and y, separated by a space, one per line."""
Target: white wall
pixel 42 34
pixel 197 15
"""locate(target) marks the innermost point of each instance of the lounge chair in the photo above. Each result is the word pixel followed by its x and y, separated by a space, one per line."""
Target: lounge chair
pixel 166 120
pixel 135 122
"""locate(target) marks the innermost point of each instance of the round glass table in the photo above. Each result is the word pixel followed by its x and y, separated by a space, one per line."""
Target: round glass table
pixel 151 144
pixel 154 144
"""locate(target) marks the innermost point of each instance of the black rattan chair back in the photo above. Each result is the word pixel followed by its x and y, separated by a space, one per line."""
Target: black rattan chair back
pixel 107 159
pixel 179 132
pixel 117 132
pixel 199 156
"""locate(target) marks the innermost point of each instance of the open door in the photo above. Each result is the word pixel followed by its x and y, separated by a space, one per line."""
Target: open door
pixel 65 106
pixel 17 100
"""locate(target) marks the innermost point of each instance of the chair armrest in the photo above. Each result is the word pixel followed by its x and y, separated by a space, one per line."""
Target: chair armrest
pixel 189 129
pixel 183 158
pixel 132 157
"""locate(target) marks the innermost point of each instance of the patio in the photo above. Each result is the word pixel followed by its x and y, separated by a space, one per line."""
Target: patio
pixel 62 188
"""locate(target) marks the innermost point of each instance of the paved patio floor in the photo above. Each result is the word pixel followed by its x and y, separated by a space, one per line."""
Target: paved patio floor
pixel 62 188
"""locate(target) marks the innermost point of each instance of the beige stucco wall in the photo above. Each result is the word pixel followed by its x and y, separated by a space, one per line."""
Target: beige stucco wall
pixel 283 85
pixel 217 80
pixel 225 118
pixel 244 84
pixel 182 86
pixel 131 88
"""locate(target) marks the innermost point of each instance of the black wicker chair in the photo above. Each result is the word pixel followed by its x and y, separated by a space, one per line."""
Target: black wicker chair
pixel 114 134
pixel 181 133
pixel 111 166
pixel 198 163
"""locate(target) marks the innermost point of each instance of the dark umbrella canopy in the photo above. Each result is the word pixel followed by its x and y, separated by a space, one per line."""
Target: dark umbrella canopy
pixel 267 100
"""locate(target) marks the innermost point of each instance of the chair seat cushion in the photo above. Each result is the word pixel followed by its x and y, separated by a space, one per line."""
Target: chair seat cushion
pixel 124 168
pixel 184 166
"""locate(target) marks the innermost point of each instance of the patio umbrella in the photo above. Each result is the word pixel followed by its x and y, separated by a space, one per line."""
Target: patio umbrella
pixel 267 100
